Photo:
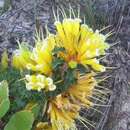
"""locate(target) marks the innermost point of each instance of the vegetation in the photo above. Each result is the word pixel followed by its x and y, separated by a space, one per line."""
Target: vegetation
pixel 50 83
pixel 59 81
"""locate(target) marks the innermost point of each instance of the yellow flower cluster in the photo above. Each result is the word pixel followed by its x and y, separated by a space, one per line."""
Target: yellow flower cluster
pixel 42 56
pixel 39 59
pixel 39 82
pixel 81 46
pixel 21 57
pixel 81 43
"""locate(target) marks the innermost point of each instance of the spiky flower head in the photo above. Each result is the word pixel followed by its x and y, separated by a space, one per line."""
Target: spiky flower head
pixel 21 57
pixel 42 56
pixel 38 58
pixel 82 45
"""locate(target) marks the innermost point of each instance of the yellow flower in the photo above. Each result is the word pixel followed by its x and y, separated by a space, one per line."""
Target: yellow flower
pixel 64 109
pixel 38 59
pixel 21 57
pixel 39 82
pixel 81 46
pixel 62 113
pixel 42 56
pixel 80 92
pixel 81 43
pixel 94 64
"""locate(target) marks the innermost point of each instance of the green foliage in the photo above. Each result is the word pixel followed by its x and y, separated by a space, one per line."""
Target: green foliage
pixel 63 75
pixel 4 60
pixel 4 98
pixel 83 69
pixel 22 120
pixel 57 62
pixel 34 108
pixel 9 74
pixel 69 79
pixel 57 50
pixel 19 95
pixel 19 98
pixel 17 90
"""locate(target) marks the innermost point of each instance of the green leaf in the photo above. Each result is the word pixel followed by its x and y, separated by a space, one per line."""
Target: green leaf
pixel 34 108
pixel 57 62
pixel 83 69
pixel 58 49
pixel 4 89
pixel 4 98
pixel 70 78
pixel 22 120
pixel 4 60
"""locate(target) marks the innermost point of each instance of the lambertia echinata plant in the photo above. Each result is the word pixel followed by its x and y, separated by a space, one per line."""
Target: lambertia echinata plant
pixel 60 69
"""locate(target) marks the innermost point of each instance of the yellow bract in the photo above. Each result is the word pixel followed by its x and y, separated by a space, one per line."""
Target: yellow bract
pixel 39 82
